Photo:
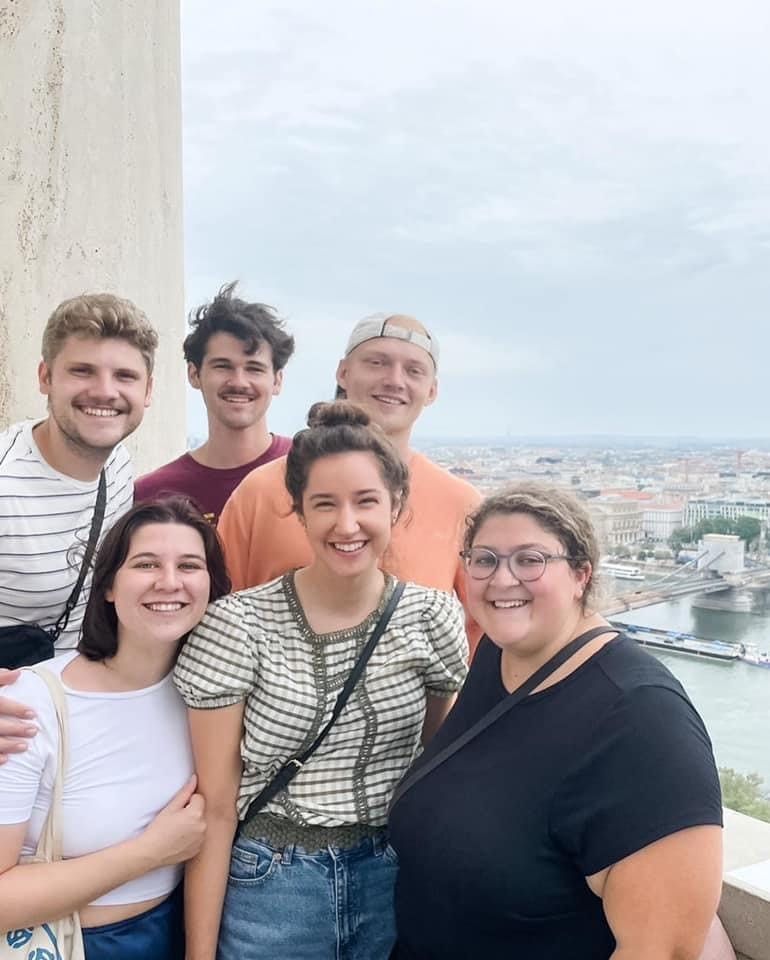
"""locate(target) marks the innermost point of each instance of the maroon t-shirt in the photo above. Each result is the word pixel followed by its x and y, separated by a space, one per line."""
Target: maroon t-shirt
pixel 208 487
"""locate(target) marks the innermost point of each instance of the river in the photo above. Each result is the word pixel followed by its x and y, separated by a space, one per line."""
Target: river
pixel 732 698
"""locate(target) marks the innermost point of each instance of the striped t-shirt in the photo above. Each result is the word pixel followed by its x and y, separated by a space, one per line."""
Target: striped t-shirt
pixel 257 646
pixel 45 519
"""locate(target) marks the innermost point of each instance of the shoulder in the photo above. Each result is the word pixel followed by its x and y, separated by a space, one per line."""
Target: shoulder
pixel 627 688
pixel 426 603
pixel 15 444
pixel 244 605
pixel 642 764
pixel 437 615
pixel 119 461
pixel 629 668
pixel 269 596
pixel 279 447
pixel 269 477
pixel 443 483
pixel 150 483
pixel 638 703
pixel 435 622
pixel 32 691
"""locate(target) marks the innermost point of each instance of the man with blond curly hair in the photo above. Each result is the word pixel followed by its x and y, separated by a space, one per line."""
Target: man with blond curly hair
pixel 96 372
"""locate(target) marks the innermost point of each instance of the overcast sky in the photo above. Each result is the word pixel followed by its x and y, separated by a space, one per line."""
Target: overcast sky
pixel 574 196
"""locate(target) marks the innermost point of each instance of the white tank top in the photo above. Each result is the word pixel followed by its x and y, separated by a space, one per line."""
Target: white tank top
pixel 129 754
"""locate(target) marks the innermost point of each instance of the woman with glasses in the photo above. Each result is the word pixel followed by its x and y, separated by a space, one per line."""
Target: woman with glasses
pixel 584 820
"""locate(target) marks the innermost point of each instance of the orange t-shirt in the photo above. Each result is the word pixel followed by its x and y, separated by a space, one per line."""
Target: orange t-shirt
pixel 263 537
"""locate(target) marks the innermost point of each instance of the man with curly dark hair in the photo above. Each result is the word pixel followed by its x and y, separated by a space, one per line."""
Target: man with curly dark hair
pixel 235 354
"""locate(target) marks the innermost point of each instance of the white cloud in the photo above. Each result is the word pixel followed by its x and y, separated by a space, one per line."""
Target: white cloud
pixel 594 166
pixel 468 355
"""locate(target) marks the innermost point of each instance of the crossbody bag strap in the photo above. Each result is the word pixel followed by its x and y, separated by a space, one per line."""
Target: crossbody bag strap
pixel 292 767
pixel 508 703
pixel 49 845
pixel 93 538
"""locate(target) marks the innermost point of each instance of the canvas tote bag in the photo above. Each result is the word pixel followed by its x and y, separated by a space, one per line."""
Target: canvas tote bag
pixel 59 939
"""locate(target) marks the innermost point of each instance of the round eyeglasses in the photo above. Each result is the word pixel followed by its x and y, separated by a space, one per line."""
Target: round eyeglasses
pixel 525 564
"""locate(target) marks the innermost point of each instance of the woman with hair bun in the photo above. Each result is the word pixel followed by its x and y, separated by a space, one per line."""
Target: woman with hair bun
pixel 310 873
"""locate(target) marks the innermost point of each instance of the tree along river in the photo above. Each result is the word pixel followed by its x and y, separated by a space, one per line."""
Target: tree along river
pixel 732 698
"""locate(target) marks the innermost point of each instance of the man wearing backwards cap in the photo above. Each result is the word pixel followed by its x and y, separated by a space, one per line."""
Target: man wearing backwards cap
pixel 389 368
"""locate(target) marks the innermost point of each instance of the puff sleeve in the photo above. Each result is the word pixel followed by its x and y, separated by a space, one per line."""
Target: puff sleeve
pixel 217 666
pixel 444 622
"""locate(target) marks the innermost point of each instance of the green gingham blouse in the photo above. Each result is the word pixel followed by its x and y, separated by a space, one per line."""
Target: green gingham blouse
pixel 256 646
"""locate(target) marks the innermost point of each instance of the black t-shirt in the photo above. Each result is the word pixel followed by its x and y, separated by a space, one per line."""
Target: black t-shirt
pixel 494 845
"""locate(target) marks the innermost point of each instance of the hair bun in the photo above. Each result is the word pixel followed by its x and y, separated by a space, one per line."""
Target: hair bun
pixel 337 413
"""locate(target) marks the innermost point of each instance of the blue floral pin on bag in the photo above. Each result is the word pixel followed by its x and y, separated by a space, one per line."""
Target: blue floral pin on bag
pixel 59 939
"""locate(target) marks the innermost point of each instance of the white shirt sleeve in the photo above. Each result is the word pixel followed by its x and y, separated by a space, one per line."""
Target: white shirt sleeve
pixel 26 778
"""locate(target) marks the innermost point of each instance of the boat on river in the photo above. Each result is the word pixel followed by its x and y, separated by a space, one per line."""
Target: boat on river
pixel 687 644
pixel 755 657
pixel 620 572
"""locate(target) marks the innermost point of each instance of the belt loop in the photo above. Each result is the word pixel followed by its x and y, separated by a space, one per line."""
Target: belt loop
pixel 379 842
pixel 288 854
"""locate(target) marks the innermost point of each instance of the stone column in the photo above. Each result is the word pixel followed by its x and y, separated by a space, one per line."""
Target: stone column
pixel 91 186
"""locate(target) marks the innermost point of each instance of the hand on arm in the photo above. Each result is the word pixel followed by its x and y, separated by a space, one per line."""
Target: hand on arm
pixel 17 721
pixel 661 900
pixel 216 739
pixel 32 893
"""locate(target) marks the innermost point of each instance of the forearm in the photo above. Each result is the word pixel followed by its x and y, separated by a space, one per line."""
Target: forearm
pixel 205 887
pixel 33 893
pixel 216 736
pixel 652 952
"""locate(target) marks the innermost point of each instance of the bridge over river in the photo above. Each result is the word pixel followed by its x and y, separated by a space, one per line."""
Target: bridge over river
pixel 683 583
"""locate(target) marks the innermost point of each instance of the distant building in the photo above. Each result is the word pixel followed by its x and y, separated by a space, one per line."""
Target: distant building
pixel 722 553
pixel 659 520
pixel 709 508
pixel 618 521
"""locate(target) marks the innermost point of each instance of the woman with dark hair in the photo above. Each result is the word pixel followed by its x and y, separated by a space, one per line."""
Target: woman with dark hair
pixel 310 874
pixel 129 816
pixel 570 805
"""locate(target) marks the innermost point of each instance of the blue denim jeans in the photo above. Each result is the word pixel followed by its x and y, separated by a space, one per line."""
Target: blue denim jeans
pixel 156 934
pixel 336 904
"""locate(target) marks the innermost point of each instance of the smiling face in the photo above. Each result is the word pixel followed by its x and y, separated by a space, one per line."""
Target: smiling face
pixel 533 618
pixel 348 512
pixel 161 590
pixel 392 379
pixel 237 386
pixel 98 390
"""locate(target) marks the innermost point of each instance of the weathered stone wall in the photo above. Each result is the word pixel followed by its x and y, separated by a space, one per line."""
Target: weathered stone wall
pixel 91 186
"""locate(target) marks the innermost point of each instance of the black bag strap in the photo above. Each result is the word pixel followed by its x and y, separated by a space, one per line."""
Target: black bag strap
pixel 292 767
pixel 508 703
pixel 93 537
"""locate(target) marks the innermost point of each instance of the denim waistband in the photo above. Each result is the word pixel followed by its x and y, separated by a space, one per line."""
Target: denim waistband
pixel 279 832
pixel 159 912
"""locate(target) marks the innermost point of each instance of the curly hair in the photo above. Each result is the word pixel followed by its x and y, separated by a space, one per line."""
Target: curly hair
pixel 252 323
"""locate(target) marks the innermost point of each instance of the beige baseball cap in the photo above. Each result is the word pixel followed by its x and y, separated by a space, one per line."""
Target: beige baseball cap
pixel 399 326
